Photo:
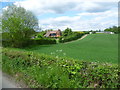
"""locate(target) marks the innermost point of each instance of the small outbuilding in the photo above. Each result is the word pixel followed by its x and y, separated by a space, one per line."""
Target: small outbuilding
pixel 90 32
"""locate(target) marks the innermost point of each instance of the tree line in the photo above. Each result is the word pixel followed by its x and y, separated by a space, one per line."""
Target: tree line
pixel 115 29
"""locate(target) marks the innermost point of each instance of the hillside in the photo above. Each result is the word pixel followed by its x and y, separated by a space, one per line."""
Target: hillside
pixel 95 47
pixel 49 71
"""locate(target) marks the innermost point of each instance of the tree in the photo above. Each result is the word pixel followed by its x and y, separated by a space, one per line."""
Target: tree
pixel 99 30
pixel 114 29
pixel 18 24
pixel 67 32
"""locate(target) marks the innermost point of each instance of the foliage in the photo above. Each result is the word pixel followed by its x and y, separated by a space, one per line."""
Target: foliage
pixel 43 71
pixel 67 32
pixel 114 29
pixel 19 25
pixel 43 41
pixel 41 34
pixel 93 32
pixel 71 37
pixel 33 42
pixel 86 32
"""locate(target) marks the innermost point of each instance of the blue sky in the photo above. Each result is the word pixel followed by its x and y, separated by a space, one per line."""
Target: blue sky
pixel 77 14
pixel 4 4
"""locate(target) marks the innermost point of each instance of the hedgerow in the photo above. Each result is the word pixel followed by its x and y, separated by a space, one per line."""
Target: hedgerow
pixel 73 36
pixel 37 41
pixel 41 41
pixel 44 71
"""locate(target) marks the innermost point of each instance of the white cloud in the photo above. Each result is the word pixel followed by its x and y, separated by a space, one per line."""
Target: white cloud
pixel 99 20
pixel 5 8
pixel 93 14
pixel 61 6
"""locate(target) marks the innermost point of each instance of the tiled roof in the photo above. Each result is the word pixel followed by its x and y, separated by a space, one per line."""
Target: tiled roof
pixel 50 32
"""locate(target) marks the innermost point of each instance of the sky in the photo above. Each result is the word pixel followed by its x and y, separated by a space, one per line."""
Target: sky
pixel 79 15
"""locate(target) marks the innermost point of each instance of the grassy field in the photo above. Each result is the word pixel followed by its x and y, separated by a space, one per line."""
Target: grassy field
pixel 95 47
pixel 49 71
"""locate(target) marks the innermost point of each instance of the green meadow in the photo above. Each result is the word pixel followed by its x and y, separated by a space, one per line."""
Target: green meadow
pixel 85 70
pixel 95 47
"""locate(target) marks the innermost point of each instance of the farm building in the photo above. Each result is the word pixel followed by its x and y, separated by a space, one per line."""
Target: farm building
pixel 106 32
pixel 56 33
pixel 103 32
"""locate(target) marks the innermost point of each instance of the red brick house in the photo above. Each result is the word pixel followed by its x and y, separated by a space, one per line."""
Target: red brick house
pixel 56 33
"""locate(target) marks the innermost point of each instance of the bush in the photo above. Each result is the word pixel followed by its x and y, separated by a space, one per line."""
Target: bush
pixel 71 37
pixel 41 34
pixel 39 70
pixel 86 32
pixel 7 43
pixel 41 41
pixel 37 41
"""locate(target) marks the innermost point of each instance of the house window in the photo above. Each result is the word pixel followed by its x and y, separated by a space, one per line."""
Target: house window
pixel 53 34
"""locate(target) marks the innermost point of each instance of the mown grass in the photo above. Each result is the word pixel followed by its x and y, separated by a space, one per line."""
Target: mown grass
pixel 95 47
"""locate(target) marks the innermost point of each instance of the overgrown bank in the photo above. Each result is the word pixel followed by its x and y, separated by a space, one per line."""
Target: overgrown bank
pixel 39 70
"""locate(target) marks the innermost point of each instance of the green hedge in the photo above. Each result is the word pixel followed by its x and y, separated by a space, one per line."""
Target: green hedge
pixel 41 41
pixel 38 41
pixel 6 43
pixel 44 71
pixel 71 37
pixel 86 32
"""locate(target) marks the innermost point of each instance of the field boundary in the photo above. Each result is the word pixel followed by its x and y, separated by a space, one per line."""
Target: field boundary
pixel 78 39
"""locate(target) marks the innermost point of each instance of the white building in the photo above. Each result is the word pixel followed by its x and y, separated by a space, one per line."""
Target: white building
pixel 107 32
pixel 90 32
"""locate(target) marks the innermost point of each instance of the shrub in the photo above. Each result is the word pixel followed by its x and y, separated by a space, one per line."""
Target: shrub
pixel 41 34
pixel 41 41
pixel 71 37
pixel 7 43
pixel 37 41
pixel 86 32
